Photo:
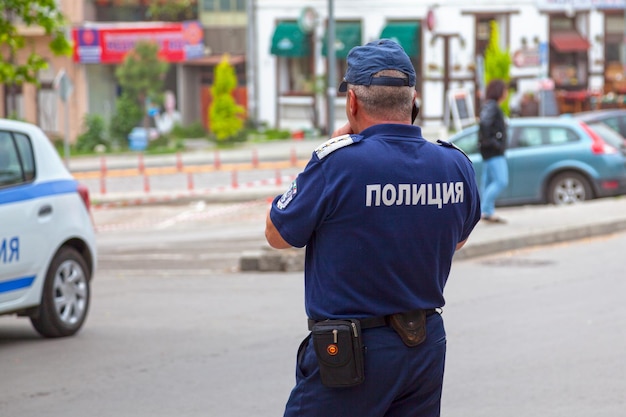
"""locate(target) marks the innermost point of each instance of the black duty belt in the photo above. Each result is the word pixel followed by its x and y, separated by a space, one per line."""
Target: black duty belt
pixel 371 322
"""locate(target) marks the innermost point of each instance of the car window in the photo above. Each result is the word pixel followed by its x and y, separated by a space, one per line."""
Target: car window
pixel 528 136
pixel 612 122
pixel 25 150
pixel 533 136
pixel 607 134
pixel 560 135
pixel 16 159
pixel 469 142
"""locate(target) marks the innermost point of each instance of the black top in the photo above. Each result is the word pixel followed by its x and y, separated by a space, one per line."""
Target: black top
pixel 492 130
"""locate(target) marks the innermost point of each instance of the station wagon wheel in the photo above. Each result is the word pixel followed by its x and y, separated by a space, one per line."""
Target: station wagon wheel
pixel 65 298
pixel 568 188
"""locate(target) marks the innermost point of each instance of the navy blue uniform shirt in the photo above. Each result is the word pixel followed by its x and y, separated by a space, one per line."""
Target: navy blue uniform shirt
pixel 380 214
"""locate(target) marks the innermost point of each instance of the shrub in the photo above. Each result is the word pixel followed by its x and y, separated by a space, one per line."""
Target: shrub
pixel 192 131
pixel 224 113
pixel 94 134
pixel 127 116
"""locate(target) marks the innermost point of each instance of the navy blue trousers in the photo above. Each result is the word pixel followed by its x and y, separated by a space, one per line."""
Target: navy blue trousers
pixel 399 381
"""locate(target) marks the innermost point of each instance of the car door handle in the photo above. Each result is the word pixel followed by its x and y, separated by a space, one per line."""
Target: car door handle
pixel 45 210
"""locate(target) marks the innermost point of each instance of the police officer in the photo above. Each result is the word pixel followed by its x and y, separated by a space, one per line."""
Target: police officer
pixel 381 212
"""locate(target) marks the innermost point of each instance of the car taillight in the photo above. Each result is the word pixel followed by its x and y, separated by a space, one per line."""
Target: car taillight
pixel 598 145
pixel 83 191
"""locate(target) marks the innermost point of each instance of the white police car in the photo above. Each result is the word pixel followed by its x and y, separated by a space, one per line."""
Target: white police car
pixel 47 239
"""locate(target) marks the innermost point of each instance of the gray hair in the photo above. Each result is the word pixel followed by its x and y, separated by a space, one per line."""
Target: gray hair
pixel 387 102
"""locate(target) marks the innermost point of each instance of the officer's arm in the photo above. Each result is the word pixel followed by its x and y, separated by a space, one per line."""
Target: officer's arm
pixel 272 235
pixel 460 244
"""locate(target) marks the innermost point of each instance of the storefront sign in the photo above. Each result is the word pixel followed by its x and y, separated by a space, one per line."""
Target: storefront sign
pixel 109 43
pixel 565 5
pixel 526 58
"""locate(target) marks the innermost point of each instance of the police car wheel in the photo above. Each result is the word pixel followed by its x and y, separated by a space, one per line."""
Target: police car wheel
pixel 65 298
pixel 569 188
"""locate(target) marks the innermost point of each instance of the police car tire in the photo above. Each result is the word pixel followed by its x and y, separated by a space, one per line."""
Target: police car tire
pixel 50 321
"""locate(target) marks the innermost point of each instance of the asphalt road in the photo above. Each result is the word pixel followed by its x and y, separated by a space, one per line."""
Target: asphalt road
pixel 530 332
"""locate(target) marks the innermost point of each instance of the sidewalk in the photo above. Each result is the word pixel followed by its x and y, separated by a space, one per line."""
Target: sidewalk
pixel 526 225
pixel 545 224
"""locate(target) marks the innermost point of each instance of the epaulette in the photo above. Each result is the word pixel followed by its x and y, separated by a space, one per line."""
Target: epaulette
pixel 332 145
pixel 447 144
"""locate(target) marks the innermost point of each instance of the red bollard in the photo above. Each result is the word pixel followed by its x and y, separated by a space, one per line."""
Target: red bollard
pixel 234 183
pixel 103 166
pixel 190 181
pixel 103 186
pixel 216 161
pixel 294 157
pixel 255 158
pixel 179 162
pixel 279 179
pixel 140 164
pixel 146 184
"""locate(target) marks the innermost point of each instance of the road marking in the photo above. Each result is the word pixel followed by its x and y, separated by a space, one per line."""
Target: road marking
pixel 198 212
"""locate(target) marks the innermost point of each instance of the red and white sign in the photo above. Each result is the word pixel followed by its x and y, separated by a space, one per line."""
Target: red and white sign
pixel 526 58
pixel 109 43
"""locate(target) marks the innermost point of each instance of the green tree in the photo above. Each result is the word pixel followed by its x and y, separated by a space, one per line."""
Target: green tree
pixel 224 114
pixel 42 13
pixel 141 76
pixel 497 62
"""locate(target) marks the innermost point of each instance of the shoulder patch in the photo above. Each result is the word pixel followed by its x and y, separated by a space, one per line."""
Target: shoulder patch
pixel 286 198
pixel 447 144
pixel 332 145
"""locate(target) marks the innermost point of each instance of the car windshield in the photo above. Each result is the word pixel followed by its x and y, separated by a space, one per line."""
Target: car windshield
pixel 609 135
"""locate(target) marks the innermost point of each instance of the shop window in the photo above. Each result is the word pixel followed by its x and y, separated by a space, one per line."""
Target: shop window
pixel 568 54
pixel 223 5
pixel 47 105
pixel 483 33
pixel 347 36
pixel 295 76
pixel 614 77
pixel 13 101
pixel 293 49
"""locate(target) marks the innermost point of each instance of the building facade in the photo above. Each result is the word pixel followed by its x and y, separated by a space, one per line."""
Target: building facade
pixel 577 44
pixel 102 31
pixel 42 104
pixel 280 53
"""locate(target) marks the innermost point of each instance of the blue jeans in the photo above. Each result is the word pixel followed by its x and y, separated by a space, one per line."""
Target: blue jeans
pixel 400 381
pixel 495 178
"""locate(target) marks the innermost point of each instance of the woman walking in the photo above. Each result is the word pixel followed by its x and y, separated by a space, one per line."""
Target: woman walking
pixel 492 136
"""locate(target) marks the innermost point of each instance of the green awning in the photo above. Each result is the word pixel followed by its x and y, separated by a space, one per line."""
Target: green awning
pixel 405 33
pixel 347 36
pixel 290 41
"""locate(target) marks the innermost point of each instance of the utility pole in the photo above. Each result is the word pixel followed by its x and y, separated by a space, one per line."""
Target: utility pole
pixel 332 61
pixel 624 42
pixel 251 63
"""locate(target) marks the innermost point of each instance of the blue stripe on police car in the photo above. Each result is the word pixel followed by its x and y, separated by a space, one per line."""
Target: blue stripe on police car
pixel 16 284
pixel 31 191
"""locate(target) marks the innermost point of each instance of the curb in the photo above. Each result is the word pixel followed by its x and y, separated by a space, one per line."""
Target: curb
pixel 292 260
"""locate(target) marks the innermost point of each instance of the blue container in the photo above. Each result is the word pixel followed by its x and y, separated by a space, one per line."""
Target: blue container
pixel 137 139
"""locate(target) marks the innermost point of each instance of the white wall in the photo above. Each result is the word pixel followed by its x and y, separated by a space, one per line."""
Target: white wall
pixel 451 17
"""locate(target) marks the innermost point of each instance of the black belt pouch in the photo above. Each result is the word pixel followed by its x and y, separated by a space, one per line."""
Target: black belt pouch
pixel 339 352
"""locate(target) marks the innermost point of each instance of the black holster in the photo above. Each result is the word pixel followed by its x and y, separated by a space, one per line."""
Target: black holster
pixel 410 326
pixel 339 352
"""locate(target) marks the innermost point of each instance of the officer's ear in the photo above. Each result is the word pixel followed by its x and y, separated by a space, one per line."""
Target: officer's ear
pixel 353 106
